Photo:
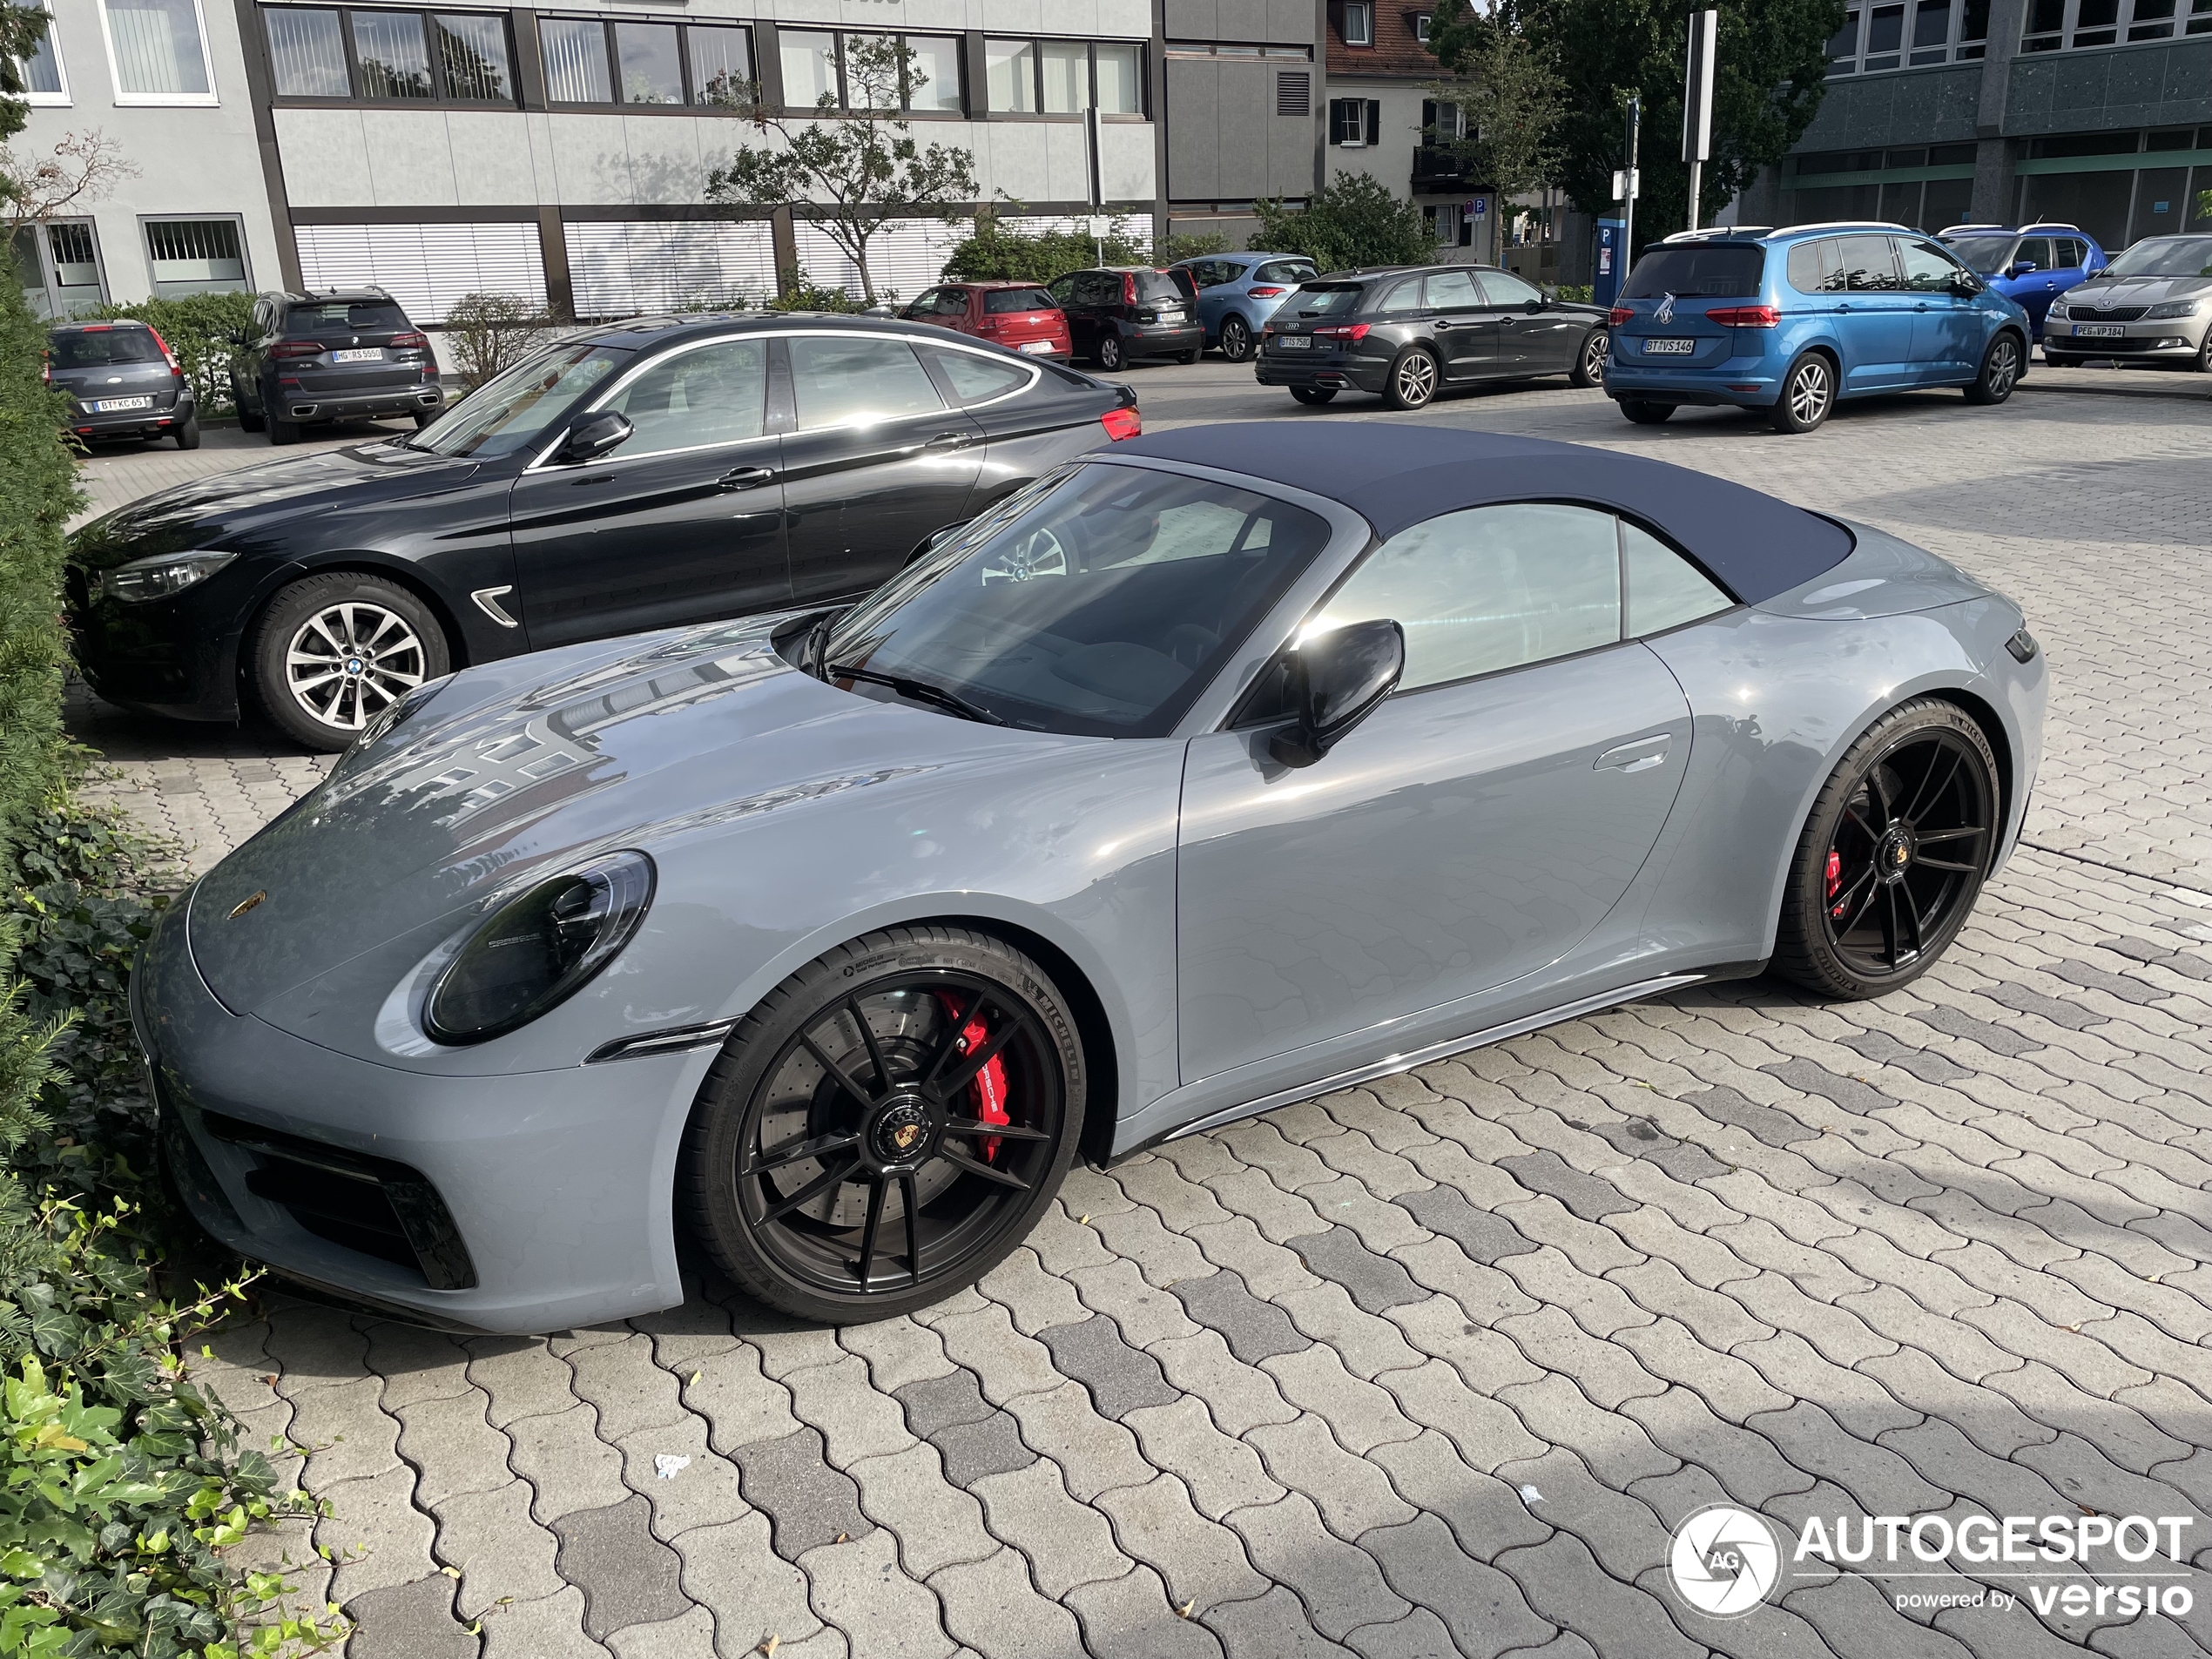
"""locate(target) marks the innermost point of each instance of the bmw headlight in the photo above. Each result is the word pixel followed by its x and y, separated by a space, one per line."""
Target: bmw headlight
pixel 539 949
pixel 2173 308
pixel 162 575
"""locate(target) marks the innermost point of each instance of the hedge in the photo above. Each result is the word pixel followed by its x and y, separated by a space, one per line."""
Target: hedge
pixel 199 329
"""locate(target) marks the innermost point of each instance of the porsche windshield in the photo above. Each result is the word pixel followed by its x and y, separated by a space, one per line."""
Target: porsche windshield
pixel 1100 603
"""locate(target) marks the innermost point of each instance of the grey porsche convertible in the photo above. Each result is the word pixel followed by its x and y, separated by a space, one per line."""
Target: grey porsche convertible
pixel 1227 768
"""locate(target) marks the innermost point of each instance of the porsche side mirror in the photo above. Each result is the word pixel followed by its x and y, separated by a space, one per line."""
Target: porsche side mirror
pixel 594 436
pixel 1336 681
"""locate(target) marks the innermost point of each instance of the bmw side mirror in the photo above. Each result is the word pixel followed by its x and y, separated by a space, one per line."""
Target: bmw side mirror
pixel 595 436
pixel 1337 680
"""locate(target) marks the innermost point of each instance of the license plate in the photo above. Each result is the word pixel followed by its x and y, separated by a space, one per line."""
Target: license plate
pixel 369 354
pixel 1674 347
pixel 1293 342
pixel 1040 346
pixel 111 405
pixel 1171 314
pixel 2098 331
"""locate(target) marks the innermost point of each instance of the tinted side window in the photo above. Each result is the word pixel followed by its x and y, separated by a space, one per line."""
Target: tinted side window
pixel 1491 588
pixel 712 395
pixel 1928 270
pixel 840 382
pixel 1098 288
pixel 1062 290
pixel 952 302
pixel 923 305
pixel 1664 588
pixel 2072 253
pixel 1816 267
pixel 1403 296
pixel 1450 291
pixel 975 380
pixel 2035 250
pixel 1506 289
pixel 1870 264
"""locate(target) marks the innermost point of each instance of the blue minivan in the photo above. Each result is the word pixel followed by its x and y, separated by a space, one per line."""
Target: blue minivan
pixel 1792 321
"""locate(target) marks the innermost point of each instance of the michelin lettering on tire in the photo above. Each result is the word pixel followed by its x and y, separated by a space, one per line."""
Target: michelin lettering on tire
pixel 1726 1562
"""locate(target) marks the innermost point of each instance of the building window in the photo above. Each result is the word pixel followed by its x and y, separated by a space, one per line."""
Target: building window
pixel 195 256
pixel 651 65
pixel 1420 27
pixel 815 67
pixel 1914 34
pixel 59 264
pixel 40 75
pixel 1355 123
pixel 456 57
pixel 2055 25
pixel 1358 24
pixel 593 60
pixel 1063 76
pixel 158 51
pixel 721 67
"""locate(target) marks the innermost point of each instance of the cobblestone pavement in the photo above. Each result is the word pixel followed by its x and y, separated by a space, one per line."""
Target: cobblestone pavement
pixel 1436 1366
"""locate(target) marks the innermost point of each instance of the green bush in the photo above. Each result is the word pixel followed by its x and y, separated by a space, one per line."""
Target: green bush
pixel 799 292
pixel 199 329
pixel 489 334
pixel 996 255
pixel 1580 293
pixel 1351 223
pixel 121 1484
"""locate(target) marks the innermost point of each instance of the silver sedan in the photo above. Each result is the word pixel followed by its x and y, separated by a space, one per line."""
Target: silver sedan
pixel 1230 767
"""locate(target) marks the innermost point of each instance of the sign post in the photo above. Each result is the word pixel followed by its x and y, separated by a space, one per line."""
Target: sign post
pixel 1091 135
pixel 1629 193
pixel 1697 102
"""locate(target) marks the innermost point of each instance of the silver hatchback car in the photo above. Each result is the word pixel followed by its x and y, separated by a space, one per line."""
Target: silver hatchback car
pixel 2152 304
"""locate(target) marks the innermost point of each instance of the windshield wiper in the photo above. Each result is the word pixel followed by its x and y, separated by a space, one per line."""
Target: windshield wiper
pixel 918 691
pixel 809 649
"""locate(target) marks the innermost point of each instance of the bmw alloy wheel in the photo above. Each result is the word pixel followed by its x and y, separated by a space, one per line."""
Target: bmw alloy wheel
pixel 1592 369
pixel 349 662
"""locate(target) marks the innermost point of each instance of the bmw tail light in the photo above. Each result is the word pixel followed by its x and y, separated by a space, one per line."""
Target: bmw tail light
pixel 1619 314
pixel 295 349
pixel 409 342
pixel 1745 317
pixel 1122 423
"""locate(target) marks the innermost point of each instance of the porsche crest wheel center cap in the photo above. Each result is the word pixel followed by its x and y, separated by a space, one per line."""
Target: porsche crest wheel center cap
pixel 902 1131
pixel 1893 854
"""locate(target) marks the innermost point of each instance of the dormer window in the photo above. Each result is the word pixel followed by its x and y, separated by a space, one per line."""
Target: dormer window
pixel 1358 23
pixel 1420 27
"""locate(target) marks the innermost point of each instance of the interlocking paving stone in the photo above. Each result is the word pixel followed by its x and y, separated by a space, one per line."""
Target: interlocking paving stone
pixel 1120 1377
pixel 1947 1242
pixel 627 1576
pixel 410 1622
pixel 809 1502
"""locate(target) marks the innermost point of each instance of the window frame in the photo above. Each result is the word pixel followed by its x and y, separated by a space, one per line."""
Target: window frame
pixel 2182 22
pixel 60 100
pixel 236 221
pixel 906 109
pixel 49 266
pixel 442 96
pixel 1364 11
pixel 768 429
pixel 211 98
pixel 980 102
pixel 1957 45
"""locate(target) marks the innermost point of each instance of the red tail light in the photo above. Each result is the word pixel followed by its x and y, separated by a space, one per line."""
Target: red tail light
pixel 1122 423
pixel 1129 287
pixel 1619 314
pixel 1263 293
pixel 1745 317
pixel 46 369
pixel 409 342
pixel 295 349
pixel 1346 331
pixel 175 368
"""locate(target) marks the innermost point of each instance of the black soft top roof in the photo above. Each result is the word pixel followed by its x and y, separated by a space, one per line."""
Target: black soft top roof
pixel 1395 476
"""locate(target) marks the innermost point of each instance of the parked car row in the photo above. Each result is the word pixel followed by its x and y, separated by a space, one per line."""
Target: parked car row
pixel 641 475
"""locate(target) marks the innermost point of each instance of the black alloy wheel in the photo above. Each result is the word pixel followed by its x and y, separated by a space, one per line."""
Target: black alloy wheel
pixel 1111 357
pixel 1589 364
pixel 1235 340
pixel 1893 855
pixel 1313 393
pixel 886 1125
pixel 2000 371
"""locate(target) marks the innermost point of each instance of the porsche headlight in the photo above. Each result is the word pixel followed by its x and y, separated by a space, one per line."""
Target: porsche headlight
pixel 539 949
pixel 158 577
pixel 2172 309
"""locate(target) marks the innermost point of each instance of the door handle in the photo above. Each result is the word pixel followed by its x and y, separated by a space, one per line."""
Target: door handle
pixel 1641 756
pixel 745 478
pixel 1923 305
pixel 1441 325
pixel 951 441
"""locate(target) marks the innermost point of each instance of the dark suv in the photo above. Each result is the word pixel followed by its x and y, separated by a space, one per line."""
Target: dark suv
pixel 123 381
pixel 1409 332
pixel 1117 313
pixel 657 473
pixel 350 355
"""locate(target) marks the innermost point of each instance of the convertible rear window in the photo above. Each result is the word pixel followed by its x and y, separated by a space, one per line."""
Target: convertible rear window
pixel 1698 272
pixel 1100 604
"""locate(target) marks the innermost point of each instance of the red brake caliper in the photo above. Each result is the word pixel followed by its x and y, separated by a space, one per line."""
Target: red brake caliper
pixel 1835 878
pixel 988 1090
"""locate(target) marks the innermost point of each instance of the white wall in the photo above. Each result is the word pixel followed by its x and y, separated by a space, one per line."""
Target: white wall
pixel 194 160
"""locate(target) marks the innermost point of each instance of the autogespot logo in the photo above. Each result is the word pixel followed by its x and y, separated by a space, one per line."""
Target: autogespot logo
pixel 1725 1560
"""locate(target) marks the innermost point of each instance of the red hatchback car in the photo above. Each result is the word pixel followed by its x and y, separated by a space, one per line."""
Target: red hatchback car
pixel 1020 316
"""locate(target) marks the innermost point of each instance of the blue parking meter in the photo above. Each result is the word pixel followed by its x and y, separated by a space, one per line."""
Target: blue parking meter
pixel 1606 282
